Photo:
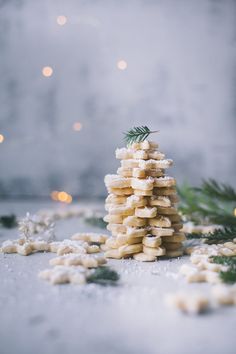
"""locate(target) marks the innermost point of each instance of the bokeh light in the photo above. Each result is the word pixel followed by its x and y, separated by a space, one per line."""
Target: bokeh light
pixel 122 64
pixel 54 195
pixel 61 196
pixel 61 20
pixel 47 71
pixel 77 126
pixel 1 138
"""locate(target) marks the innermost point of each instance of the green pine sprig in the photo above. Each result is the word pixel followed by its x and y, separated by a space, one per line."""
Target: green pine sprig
pixel 137 134
pixel 103 276
pixel 218 236
pixel 8 221
pixel 224 260
pixel 228 276
pixel 212 202
pixel 214 189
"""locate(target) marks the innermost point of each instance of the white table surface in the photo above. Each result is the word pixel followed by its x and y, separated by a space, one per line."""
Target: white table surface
pixel 36 317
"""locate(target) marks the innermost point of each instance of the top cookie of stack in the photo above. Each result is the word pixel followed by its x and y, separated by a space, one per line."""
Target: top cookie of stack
pixel 142 216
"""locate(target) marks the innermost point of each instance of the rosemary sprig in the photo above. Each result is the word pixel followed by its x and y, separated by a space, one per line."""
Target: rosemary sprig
pixel 137 134
pixel 96 222
pixel 228 276
pixel 218 236
pixel 8 221
pixel 103 276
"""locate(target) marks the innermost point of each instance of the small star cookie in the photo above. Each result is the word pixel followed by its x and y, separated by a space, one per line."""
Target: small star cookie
pixel 65 274
pixel 85 260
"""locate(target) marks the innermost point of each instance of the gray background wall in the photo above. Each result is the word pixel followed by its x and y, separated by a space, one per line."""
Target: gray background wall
pixel 180 79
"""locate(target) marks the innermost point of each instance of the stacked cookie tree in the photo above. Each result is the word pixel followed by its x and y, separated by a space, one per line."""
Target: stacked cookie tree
pixel 142 215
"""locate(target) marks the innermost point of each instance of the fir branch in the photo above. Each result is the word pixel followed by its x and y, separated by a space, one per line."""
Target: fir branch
pixel 224 260
pixel 218 236
pixel 8 221
pixel 198 206
pixel 103 276
pixel 137 134
pixel 228 276
pixel 217 190
pixel 96 222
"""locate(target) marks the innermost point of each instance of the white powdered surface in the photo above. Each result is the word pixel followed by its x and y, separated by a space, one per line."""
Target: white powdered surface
pixel 37 317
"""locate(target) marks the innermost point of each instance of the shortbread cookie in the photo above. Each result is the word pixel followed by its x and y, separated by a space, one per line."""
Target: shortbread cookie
pixel 125 172
pixel 160 221
pixel 136 201
pixel 152 241
pixel 72 246
pixel 150 164
pixel 116 181
pixel 176 237
pixel 146 212
pixel 90 237
pixel 144 145
pixel 166 211
pixel 140 154
pixel 136 232
pixel 121 209
pixel 188 303
pixel 115 199
pixel 85 260
pixel 164 191
pixel 130 249
pixel 224 295
pixel 114 219
pixel 166 181
pixel 112 243
pixel 142 184
pixel 124 153
pixel 65 274
pixel 24 247
pixel 139 173
pixel 104 248
pixel 174 198
pixel 162 232
pixel 171 246
pixel 121 191
pixel 142 257
pixel 159 201
pixel 155 155
pixel 116 228
pixel 175 218
pixel 154 172
pixel 113 253
pixel 177 226
pixel 123 239
pixel 173 254
pixel 194 275
pixel 156 252
pixel 144 193
pixel 130 163
pixel 134 221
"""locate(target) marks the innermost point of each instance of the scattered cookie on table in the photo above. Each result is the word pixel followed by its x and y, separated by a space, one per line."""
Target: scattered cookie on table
pixel 25 246
pixel 85 260
pixel 61 274
pixel 90 237
pixel 189 303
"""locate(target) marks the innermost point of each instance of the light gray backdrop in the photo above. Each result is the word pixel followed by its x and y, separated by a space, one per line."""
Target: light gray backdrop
pixel 180 79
